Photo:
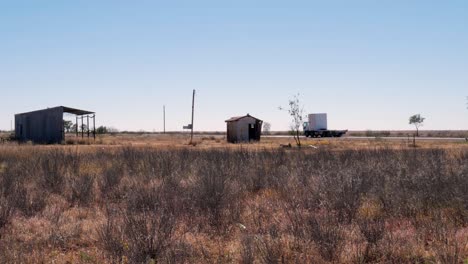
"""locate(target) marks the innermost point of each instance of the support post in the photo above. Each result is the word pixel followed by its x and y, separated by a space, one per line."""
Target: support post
pixel 63 131
pixel 76 126
pixel 193 110
pixel 82 127
pixel 87 125
pixel 164 119
pixel 94 127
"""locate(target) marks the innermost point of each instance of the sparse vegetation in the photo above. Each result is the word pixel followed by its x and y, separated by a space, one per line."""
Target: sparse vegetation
pixel 371 133
pixel 266 128
pixel 188 205
pixel 296 111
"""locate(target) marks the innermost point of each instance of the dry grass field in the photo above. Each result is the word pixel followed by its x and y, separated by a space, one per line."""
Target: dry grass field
pixel 154 199
pixel 268 142
pixel 404 133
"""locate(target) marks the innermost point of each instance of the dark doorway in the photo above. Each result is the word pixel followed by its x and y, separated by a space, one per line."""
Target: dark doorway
pixel 252 131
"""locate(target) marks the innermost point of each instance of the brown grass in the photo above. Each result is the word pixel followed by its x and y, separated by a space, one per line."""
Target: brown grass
pixel 219 141
pixel 147 199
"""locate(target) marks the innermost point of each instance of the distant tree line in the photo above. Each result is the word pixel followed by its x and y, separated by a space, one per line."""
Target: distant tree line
pixel 69 127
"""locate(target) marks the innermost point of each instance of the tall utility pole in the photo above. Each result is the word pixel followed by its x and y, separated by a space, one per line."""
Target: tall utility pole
pixel 164 118
pixel 193 110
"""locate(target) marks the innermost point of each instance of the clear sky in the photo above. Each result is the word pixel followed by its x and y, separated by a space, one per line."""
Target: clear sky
pixel 368 64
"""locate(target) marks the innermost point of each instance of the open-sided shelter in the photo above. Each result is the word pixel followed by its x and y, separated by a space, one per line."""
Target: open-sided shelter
pixel 46 126
pixel 243 128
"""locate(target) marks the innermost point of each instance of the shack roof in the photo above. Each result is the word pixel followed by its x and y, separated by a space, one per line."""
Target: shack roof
pixel 76 111
pixel 65 109
pixel 237 118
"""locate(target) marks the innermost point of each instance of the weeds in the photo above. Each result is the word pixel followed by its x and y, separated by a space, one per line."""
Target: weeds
pixel 81 190
pixel 144 205
pixel 5 213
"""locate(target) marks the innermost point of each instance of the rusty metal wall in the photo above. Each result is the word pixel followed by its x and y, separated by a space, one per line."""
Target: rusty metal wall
pixel 238 131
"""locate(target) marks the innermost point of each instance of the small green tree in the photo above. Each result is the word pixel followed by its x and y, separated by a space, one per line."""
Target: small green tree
pixel 296 111
pixel 67 126
pixel 101 130
pixel 416 120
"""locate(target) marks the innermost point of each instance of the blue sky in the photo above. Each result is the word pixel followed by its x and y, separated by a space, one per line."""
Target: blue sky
pixel 368 64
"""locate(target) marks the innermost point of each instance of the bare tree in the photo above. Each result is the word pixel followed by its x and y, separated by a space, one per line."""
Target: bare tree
pixel 416 120
pixel 296 111
pixel 266 128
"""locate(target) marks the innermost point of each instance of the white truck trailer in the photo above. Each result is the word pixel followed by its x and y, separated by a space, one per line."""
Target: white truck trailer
pixel 317 127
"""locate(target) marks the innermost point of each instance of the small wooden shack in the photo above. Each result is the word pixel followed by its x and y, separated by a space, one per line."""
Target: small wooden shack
pixel 243 129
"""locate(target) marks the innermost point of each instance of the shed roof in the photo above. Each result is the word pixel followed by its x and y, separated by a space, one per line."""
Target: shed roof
pixel 65 110
pixel 237 118
pixel 76 111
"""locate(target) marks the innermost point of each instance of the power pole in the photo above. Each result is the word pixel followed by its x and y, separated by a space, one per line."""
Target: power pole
pixel 193 110
pixel 164 118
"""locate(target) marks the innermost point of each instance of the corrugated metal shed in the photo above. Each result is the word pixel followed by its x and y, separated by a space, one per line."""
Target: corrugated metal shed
pixel 243 129
pixel 44 126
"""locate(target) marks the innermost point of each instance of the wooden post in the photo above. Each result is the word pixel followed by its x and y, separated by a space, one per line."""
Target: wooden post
pixel 193 109
pixel 164 119
pixel 76 124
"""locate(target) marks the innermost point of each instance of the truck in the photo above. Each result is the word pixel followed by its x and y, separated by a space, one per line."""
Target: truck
pixel 317 127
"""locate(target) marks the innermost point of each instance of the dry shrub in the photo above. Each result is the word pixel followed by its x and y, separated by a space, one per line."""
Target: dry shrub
pixel 110 180
pixel 327 235
pixel 31 201
pixel 149 234
pixel 297 206
pixel 52 171
pixel 81 190
pixel 247 250
pixel 270 250
pixel 63 233
pixel 437 231
pixel 111 238
pixel 6 209
pixel 371 224
pixel 215 194
pixel 373 231
pixel 139 237
pixel 9 194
